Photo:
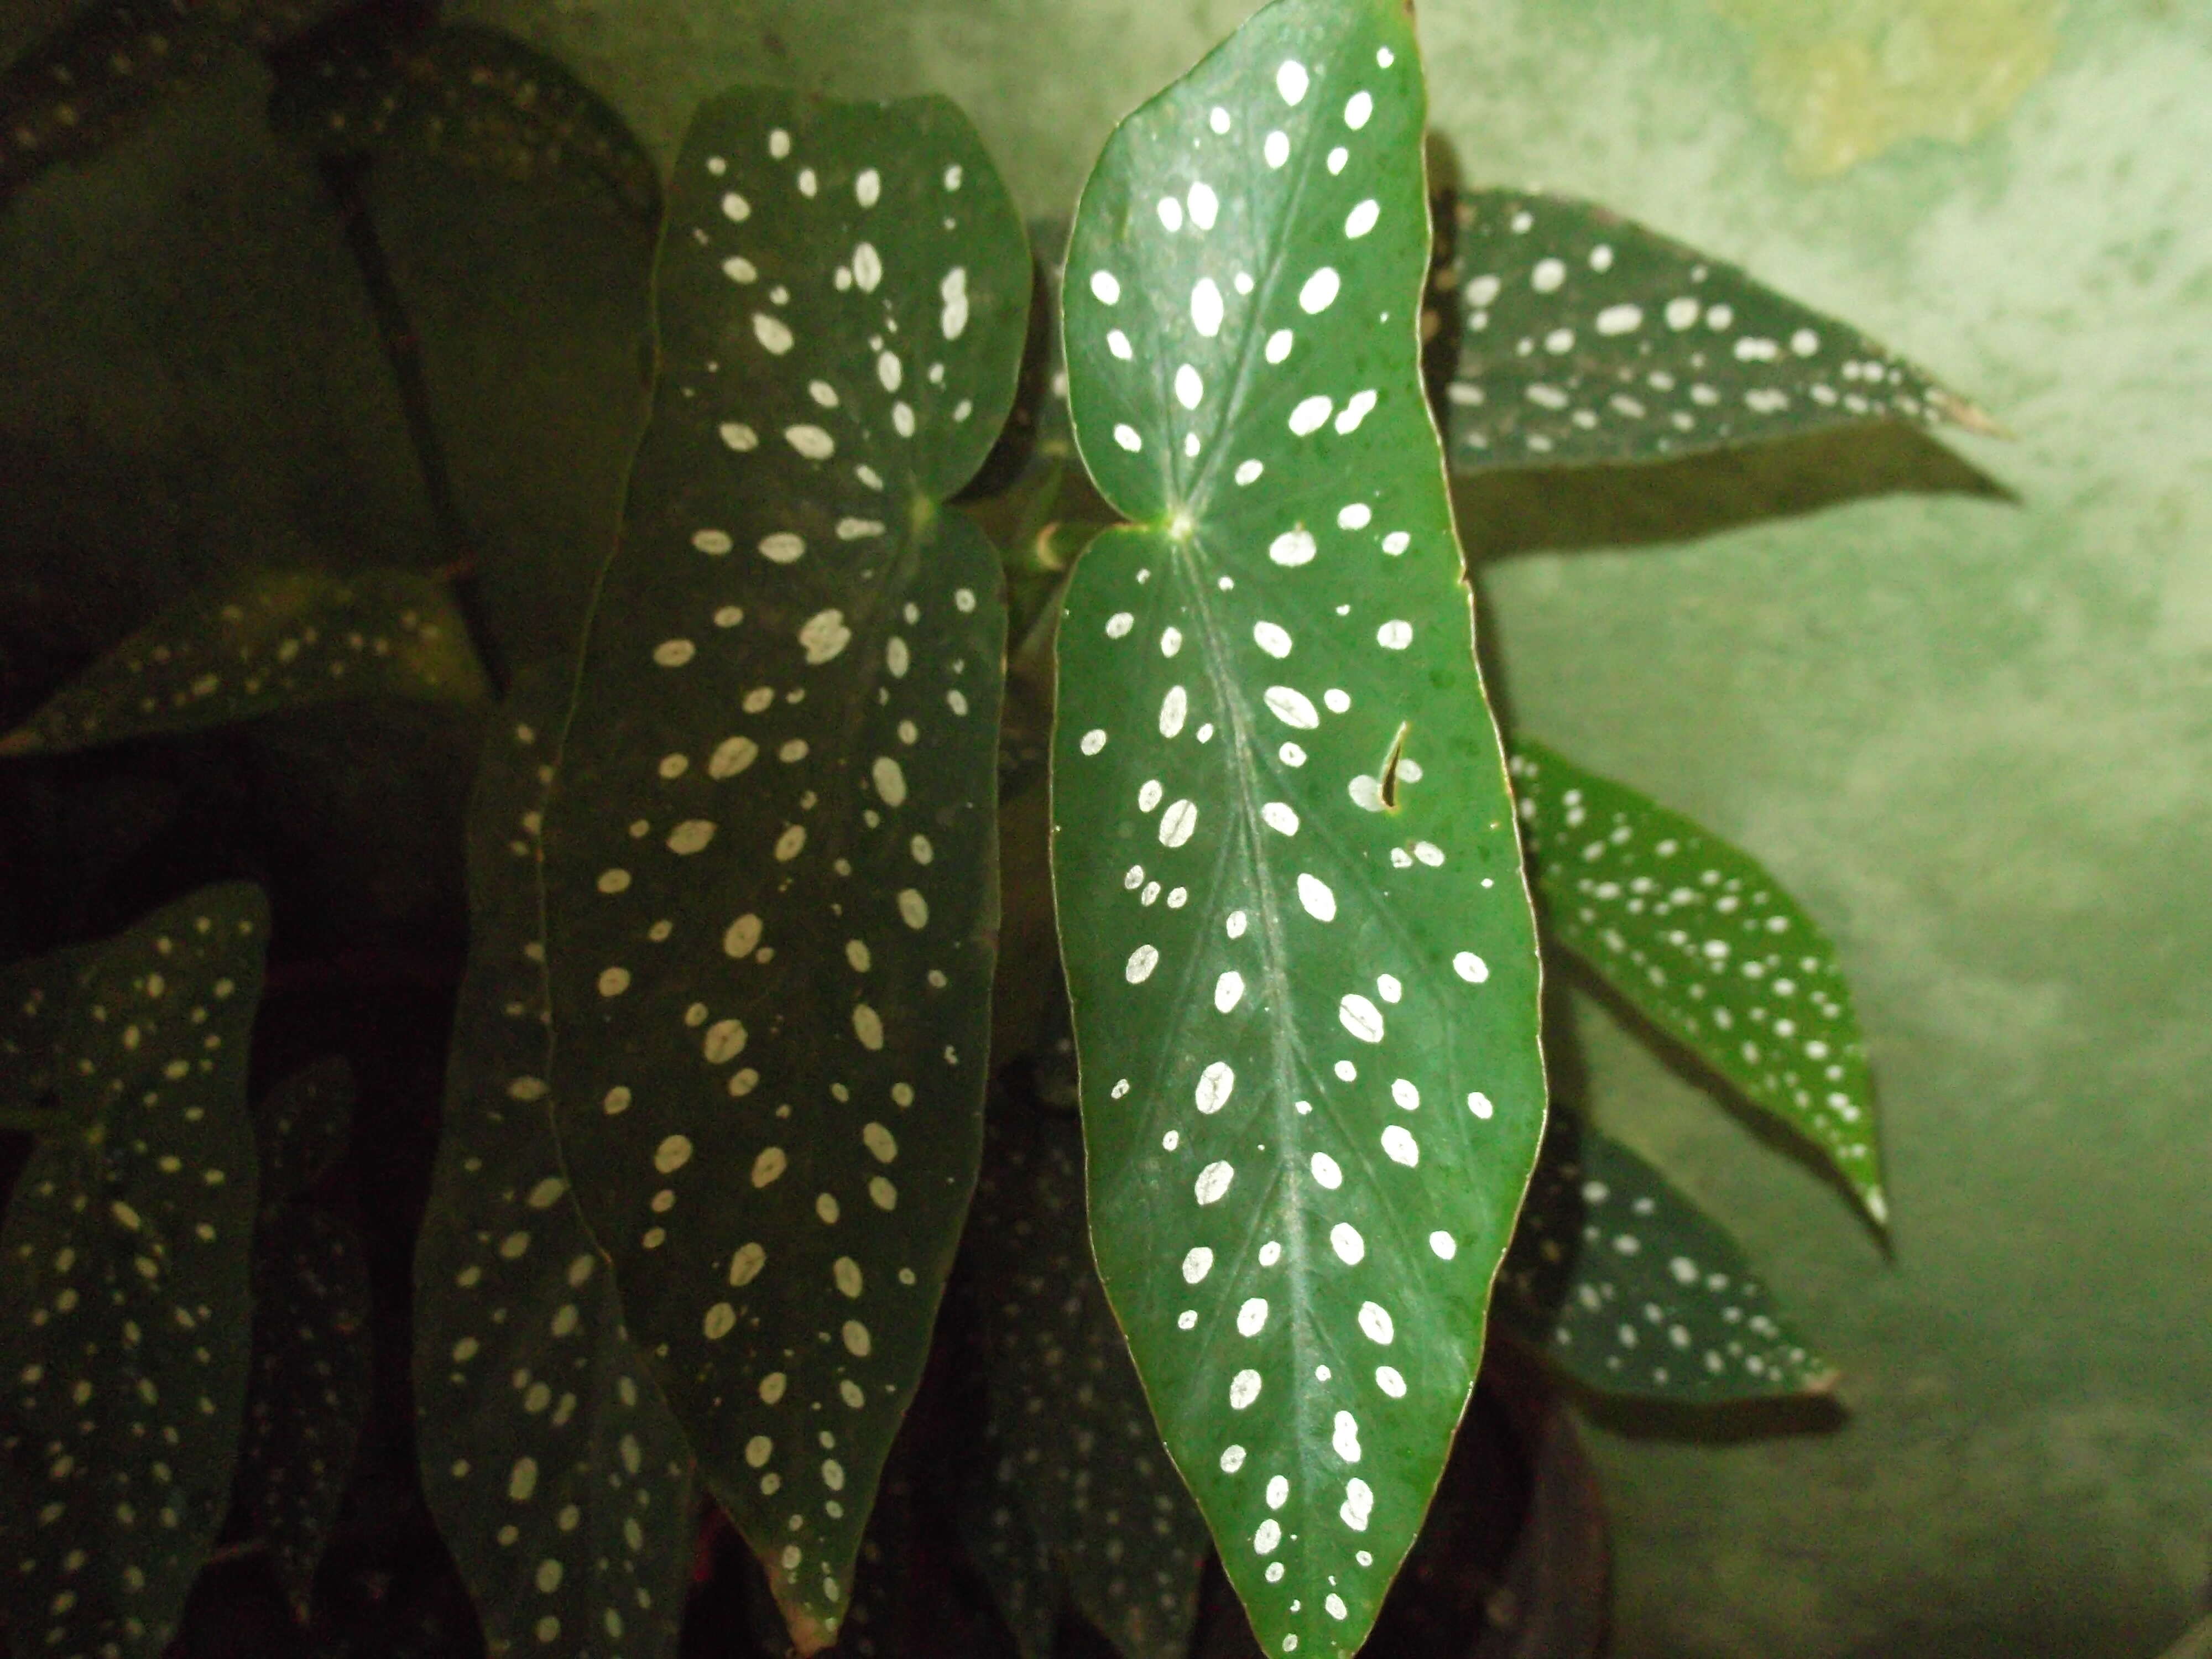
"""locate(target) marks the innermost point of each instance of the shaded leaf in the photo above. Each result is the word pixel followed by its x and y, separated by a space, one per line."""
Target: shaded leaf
pixel 1023 1573
pixel 769 861
pixel 1086 1463
pixel 124 1308
pixel 1702 941
pixel 1624 1284
pixel 35 1000
pixel 561 1483
pixel 273 640
pixel 482 101
pixel 1585 337
pixel 1300 952
pixel 302 1127
pixel 310 1388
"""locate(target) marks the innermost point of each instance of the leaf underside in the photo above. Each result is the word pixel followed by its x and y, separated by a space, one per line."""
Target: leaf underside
pixel 1067 1410
pixel 1586 338
pixel 1621 1282
pixel 124 1307
pixel 1299 949
pixel 769 862
pixel 273 640
pixel 560 1479
pixel 1699 938
pixel 468 95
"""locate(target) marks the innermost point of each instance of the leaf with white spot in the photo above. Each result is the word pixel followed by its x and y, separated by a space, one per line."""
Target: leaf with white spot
pixel 1024 1575
pixel 1699 938
pixel 1586 338
pixel 310 1389
pixel 561 1481
pixel 769 857
pixel 367 82
pixel 125 1301
pixel 301 1125
pixel 273 640
pixel 1620 1281
pixel 1066 1403
pixel 34 996
pixel 1299 948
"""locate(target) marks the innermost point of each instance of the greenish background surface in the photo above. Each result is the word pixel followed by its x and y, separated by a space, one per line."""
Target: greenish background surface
pixel 1973 734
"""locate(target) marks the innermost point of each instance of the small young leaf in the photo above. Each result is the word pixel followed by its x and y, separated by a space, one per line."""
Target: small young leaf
pixel 275 640
pixel 769 863
pixel 1301 956
pixel 310 1389
pixel 472 96
pixel 1586 338
pixel 1628 1287
pixel 1066 1402
pixel 301 1127
pixel 1700 940
pixel 561 1483
pixel 124 1307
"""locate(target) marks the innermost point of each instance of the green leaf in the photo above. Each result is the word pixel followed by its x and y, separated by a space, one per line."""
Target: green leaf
pixel 1585 338
pixel 480 101
pixel 1299 949
pixel 561 1481
pixel 1624 1284
pixel 1066 1407
pixel 273 640
pixel 1699 938
pixel 1024 1575
pixel 125 1301
pixel 34 997
pixel 302 1127
pixel 310 1389
pixel 769 861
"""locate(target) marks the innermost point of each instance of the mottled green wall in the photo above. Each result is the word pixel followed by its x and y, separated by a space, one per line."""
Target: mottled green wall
pixel 1975 734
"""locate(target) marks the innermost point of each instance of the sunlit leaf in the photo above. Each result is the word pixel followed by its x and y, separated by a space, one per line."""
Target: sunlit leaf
pixel 301 1127
pixel 1068 1411
pixel 1299 949
pixel 1587 337
pixel 769 862
pixel 125 1304
pixel 369 83
pixel 1702 941
pixel 561 1483
pixel 273 640
pixel 310 1389
pixel 1626 1285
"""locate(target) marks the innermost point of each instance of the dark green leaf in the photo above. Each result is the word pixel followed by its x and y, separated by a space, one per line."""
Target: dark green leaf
pixel 769 863
pixel 301 1125
pixel 560 1479
pixel 34 997
pixel 1628 1287
pixel 1702 941
pixel 1586 338
pixel 1300 952
pixel 275 640
pixel 1023 1574
pixel 125 1307
pixel 310 1388
pixel 369 83
pixel 1068 1411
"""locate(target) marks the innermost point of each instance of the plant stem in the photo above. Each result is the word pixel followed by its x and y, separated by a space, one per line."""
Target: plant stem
pixel 345 178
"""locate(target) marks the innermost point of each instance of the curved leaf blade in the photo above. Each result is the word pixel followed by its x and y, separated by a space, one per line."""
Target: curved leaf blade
pixel 559 1478
pixel 771 862
pixel 273 640
pixel 1586 338
pixel 1300 953
pixel 1699 938
pixel 34 997
pixel 1024 1576
pixel 1619 1281
pixel 125 1307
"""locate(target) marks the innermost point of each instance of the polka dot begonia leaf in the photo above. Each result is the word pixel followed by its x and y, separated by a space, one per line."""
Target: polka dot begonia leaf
pixel 1621 1282
pixel 302 1127
pixel 273 640
pixel 1299 949
pixel 468 95
pixel 310 1389
pixel 1585 337
pixel 1021 1570
pixel 561 1482
pixel 124 1303
pixel 769 858
pixel 34 996
pixel 1088 1468
pixel 1699 938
